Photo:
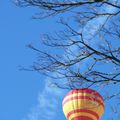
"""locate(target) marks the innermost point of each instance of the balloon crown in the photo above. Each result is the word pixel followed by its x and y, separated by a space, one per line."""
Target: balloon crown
pixel 83 104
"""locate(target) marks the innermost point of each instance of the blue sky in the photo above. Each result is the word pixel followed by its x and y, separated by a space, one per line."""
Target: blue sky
pixel 25 95
pixel 18 89
pixel 22 95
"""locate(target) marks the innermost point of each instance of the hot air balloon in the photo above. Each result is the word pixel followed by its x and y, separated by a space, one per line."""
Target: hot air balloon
pixel 83 104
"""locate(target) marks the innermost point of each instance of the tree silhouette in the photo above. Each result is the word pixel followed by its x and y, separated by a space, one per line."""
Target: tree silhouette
pixel 87 52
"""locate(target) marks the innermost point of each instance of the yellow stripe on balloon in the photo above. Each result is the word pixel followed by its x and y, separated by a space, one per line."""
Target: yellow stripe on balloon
pixel 83 94
pixel 82 114
pixel 83 104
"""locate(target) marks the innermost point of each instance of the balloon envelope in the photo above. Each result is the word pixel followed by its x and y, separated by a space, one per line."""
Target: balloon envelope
pixel 83 104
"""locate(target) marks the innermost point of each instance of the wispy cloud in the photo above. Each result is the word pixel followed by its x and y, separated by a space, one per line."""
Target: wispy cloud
pixel 49 105
pixel 93 26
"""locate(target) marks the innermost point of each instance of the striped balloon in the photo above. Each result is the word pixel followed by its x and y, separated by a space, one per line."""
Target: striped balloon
pixel 83 104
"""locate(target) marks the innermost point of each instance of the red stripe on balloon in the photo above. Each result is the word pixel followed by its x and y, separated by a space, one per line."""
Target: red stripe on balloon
pixel 82 118
pixel 83 110
pixel 85 98
pixel 85 90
